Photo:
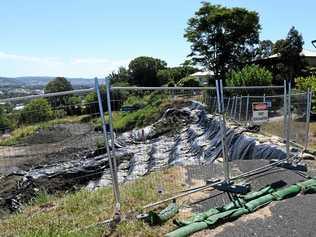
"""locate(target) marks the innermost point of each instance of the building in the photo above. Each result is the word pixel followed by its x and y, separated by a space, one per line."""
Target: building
pixel 308 55
pixel 203 76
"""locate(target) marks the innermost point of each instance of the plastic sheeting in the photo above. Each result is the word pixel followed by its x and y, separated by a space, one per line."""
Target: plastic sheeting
pixel 187 135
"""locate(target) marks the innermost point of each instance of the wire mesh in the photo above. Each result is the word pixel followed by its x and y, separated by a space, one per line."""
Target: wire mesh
pixel 48 129
pixel 298 117
pixel 161 136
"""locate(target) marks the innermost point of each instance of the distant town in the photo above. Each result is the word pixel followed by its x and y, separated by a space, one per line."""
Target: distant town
pixel 23 86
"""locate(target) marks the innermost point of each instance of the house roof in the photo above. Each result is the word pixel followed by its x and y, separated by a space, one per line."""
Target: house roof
pixel 304 53
pixel 203 73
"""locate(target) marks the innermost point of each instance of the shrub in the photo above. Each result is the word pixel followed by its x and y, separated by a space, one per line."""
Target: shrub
pixel 37 110
pixel 303 83
pixel 189 82
pixel 4 120
pixel 252 75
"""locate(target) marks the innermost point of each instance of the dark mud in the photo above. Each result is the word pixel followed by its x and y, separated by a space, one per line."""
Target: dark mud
pixel 185 135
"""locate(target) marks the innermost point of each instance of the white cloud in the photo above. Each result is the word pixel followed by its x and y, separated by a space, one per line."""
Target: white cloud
pixel 22 65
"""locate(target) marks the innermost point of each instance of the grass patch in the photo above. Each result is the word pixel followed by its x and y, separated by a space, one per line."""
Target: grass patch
pixel 150 108
pixel 69 214
pixel 28 130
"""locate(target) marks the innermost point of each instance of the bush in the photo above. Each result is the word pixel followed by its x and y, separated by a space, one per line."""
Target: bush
pixel 252 75
pixel 189 82
pixel 303 83
pixel 38 110
pixel 4 120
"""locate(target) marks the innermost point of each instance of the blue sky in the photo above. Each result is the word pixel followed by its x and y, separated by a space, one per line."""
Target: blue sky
pixel 87 38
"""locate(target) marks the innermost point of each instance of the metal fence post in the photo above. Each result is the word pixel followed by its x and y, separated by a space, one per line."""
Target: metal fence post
pixel 115 191
pixel 240 107
pixel 285 110
pixel 228 103
pixel 247 108
pixel 289 117
pixel 219 92
pixel 235 109
pixel 264 98
pixel 214 105
pixel 308 113
pixel 108 99
pixel 232 108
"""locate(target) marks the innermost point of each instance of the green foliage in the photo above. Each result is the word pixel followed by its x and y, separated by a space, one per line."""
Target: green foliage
pixel 121 76
pixel 189 82
pixel 4 120
pixel 264 49
pixel 57 85
pixel 37 110
pixel 252 75
pixel 222 38
pixel 174 74
pixel 304 83
pixel 71 213
pixel 73 105
pixel 289 49
pixel 24 131
pixel 150 109
pixel 60 84
pixel 143 71
pixel 91 100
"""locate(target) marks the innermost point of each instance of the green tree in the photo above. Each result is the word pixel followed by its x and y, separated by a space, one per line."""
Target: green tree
pixel 264 49
pixel 251 75
pixel 37 110
pixel 57 85
pixel 174 74
pixel 222 38
pixel 304 83
pixel 121 76
pixel 189 82
pixel 60 84
pixel 143 71
pixel 289 49
pixel 4 121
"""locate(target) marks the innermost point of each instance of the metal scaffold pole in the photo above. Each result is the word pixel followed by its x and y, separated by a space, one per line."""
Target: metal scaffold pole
pixel 106 143
pixel 289 117
pixel 108 99
pixel 220 102
pixel 247 108
pixel 308 113
pixel 240 108
pixel 285 111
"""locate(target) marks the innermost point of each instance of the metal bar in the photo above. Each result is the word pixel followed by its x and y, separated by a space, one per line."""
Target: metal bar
pixel 161 88
pixel 220 98
pixel 253 87
pixel 97 88
pixel 240 107
pixel 214 105
pixel 108 98
pixel 228 103
pixel 264 98
pixel 204 187
pixel 289 117
pixel 232 108
pixel 235 109
pixel 29 97
pixel 308 113
pixel 247 108
pixel 285 110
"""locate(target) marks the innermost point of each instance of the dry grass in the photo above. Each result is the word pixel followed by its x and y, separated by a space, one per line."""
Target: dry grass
pixel 29 130
pixel 70 214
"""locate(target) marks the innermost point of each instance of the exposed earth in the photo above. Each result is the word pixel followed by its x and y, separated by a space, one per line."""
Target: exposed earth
pixel 64 157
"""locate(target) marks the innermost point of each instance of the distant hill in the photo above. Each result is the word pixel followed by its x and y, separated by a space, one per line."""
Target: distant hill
pixel 41 81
